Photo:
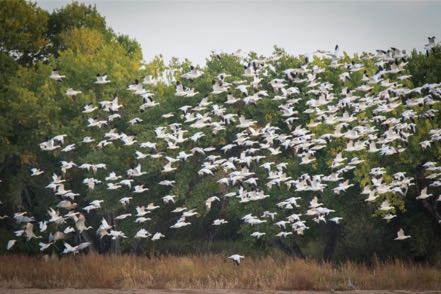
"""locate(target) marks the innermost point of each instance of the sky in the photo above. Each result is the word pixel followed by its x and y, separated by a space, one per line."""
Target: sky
pixel 192 29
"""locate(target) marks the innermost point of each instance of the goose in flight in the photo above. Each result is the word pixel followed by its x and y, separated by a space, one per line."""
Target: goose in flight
pixel 192 74
pixel 123 216
pixel 168 168
pixel 69 249
pixel 210 200
pixel 401 235
pixel 68 148
pixel 112 177
pixel 431 44
pixel 101 79
pixel 231 99
pixel 60 138
pixel 55 216
pixel 342 187
pixel 257 235
pixel 19 217
pixel 125 201
pixel 142 234
pixel 89 108
pixel 180 92
pixel 151 206
pixel 148 145
pixel 49 145
pixel 180 224
pixel 431 40
pixel 55 75
pixel 71 92
pixel 140 189
pixel 10 244
pixel 142 219
pixel 424 195
pixel 336 220
pixel 218 222
pixel 141 211
pixel 43 226
pixel 112 186
pixel 157 236
pixel 190 92
pixel 385 206
pixel 167 183
pixel 389 216
pixel 88 140
pixel 168 198
pixel 126 182
pixel 236 258
pixel 135 172
pixel 36 172
pixel 218 87
pixel 103 228
pixel 283 235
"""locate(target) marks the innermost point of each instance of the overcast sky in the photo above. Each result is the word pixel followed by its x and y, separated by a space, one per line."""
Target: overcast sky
pixel 193 28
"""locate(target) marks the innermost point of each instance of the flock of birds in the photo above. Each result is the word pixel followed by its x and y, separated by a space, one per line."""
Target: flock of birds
pixel 396 110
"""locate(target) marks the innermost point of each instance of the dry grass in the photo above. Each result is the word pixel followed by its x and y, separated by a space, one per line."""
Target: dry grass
pixel 209 271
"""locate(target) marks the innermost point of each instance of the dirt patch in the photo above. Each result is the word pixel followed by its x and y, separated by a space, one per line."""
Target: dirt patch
pixel 193 291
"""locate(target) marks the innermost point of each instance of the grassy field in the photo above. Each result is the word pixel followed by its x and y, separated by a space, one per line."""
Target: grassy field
pixel 210 271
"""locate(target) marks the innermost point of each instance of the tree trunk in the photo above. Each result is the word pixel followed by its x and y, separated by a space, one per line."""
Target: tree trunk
pixel 136 247
pixel 115 245
pixel 430 204
pixel 293 250
pixel 85 236
pixel 331 243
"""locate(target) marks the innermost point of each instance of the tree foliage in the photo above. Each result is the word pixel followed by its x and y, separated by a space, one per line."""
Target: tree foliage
pixel 76 41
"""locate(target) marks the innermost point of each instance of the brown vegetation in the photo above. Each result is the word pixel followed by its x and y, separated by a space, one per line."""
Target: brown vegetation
pixel 210 271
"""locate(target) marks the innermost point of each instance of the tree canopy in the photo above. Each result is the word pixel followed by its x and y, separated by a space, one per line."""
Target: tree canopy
pixel 326 154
